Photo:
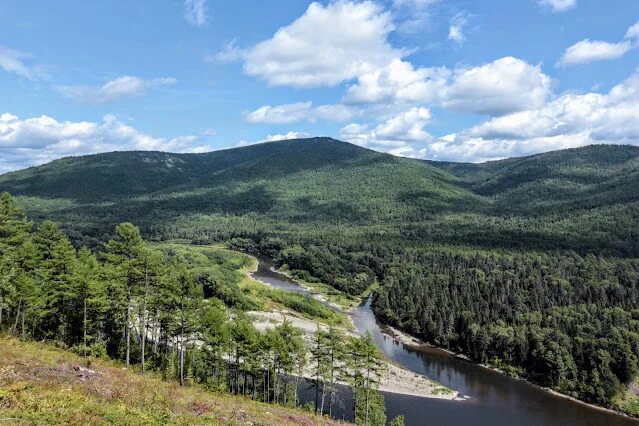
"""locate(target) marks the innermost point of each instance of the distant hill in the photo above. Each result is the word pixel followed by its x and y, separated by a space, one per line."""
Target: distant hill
pixel 584 199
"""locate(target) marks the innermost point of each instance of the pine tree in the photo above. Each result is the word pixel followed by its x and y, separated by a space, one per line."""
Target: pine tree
pixel 124 254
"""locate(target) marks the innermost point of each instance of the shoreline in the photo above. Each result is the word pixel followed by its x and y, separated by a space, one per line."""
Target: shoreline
pixel 416 343
pixel 395 379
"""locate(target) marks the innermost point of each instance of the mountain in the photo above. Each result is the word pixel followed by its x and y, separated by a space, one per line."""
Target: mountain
pixel 321 185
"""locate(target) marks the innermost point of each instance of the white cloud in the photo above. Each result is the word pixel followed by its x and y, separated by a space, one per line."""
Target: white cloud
pixel 208 132
pixel 121 87
pixel 286 136
pixel 559 5
pixel 568 121
pixel 293 113
pixel 398 82
pixel 195 12
pixel 306 54
pixel 456 28
pixel 500 87
pixel 393 135
pixel 413 15
pixel 277 137
pixel 17 62
pixel 229 53
pixel 36 140
pixel 587 51
pixel 303 54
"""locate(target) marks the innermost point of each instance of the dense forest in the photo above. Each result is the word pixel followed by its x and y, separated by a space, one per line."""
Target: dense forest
pixel 527 264
pixel 155 306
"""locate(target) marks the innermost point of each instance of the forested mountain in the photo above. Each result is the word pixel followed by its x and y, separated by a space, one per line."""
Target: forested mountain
pixel 584 199
pixel 529 264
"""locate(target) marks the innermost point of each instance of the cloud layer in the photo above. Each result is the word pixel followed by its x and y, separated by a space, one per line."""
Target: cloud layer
pixel 36 140
pixel 568 121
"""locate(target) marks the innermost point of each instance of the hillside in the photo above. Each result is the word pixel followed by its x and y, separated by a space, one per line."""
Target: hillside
pixel 585 199
pixel 40 384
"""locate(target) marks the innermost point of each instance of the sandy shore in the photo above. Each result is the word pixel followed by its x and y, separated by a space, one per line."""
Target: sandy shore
pixel 394 379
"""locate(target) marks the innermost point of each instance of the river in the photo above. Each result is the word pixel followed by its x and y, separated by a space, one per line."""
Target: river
pixel 495 399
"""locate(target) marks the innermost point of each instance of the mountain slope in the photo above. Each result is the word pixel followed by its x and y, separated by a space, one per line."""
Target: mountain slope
pixel 568 179
pixel 585 199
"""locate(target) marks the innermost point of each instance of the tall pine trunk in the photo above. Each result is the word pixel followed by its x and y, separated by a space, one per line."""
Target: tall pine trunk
pixel 143 342
pixel 84 325
pixel 127 332
pixel 182 345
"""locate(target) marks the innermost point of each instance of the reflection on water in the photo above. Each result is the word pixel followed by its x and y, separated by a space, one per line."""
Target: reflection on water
pixel 495 399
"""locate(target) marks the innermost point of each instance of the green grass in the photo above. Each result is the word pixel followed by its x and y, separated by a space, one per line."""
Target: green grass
pixel 39 384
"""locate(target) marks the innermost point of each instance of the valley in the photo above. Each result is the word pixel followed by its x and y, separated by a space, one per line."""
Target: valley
pixel 527 265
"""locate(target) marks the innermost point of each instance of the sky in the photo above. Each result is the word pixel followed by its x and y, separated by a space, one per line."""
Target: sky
pixel 450 80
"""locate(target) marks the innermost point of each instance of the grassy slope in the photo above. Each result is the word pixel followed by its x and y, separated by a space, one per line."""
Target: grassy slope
pixel 39 384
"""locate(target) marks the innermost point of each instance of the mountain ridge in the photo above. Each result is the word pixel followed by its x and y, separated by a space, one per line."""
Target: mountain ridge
pixel 329 185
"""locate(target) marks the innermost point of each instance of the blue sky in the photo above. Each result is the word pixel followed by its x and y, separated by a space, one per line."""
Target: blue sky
pixel 439 79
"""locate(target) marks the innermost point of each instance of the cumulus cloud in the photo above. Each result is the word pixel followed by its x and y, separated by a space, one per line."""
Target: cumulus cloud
pixel 356 50
pixel 586 51
pixel 392 135
pixel 113 90
pixel 398 82
pixel 305 54
pixel 36 140
pixel 195 12
pixel 292 113
pixel 559 5
pixel 500 87
pixel 570 120
pixel 17 62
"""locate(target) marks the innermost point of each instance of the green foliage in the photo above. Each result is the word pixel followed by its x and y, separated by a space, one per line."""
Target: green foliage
pixel 397 421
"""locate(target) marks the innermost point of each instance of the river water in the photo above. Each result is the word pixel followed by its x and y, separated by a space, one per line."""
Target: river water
pixel 494 398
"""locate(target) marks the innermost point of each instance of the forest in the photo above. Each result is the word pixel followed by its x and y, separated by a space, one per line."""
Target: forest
pixel 527 264
pixel 175 310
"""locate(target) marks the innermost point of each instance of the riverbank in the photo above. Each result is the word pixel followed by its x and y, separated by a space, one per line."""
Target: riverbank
pixel 394 379
pixel 416 343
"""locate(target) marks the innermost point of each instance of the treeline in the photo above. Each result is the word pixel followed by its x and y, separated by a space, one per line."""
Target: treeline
pixel 147 307
pixel 561 320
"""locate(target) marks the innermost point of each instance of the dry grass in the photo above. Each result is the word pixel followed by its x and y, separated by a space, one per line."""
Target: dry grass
pixel 40 384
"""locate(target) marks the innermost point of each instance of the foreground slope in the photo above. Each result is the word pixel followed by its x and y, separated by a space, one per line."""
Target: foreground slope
pixel 40 384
